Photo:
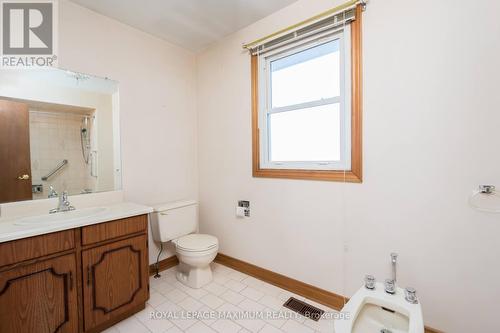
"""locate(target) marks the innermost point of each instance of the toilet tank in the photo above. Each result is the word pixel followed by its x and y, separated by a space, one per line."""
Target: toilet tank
pixel 173 220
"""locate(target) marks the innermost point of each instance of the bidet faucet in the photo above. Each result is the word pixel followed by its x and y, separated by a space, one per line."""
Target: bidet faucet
pixel 64 205
pixel 394 259
pixel 390 284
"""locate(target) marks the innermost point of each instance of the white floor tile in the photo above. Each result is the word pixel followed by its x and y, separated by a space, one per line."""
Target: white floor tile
pixel 207 320
pixel 251 324
pixel 221 278
pixel 237 276
pixel 164 287
pixel 200 327
pixel 176 295
pixel 212 301
pixel 154 282
pixel 275 318
pixel 232 297
pixel 292 326
pixel 228 307
pixel 156 299
pixel 249 305
pixel 180 286
pixel 269 289
pixel 183 324
pixel 143 314
pixel 231 291
pixel 215 288
pixel 196 293
pixel 252 282
pixel 168 306
pixel 226 326
pixel 131 325
pixel 271 302
pixel 234 285
pixel 252 293
pixel 174 329
pixel 322 325
pixel 159 325
pixel 190 304
pixel 270 329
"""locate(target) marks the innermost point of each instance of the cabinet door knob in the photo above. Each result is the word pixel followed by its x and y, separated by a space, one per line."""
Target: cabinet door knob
pixel 24 177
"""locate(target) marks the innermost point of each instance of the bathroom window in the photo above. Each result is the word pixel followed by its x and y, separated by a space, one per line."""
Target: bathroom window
pixel 307 108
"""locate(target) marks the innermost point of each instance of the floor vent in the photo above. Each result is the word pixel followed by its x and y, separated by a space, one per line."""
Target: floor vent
pixel 304 309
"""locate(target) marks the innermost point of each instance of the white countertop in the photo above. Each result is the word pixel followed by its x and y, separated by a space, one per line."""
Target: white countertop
pixel 9 230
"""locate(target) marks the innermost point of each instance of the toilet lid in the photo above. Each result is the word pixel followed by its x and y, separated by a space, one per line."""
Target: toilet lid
pixel 197 242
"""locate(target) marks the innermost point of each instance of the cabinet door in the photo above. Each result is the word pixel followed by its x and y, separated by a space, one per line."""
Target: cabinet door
pixel 40 297
pixel 116 279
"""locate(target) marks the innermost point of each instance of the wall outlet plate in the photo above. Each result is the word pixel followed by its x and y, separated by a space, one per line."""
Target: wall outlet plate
pixel 38 188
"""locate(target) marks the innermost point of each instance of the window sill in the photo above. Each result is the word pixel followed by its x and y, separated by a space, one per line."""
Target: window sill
pixel 326 175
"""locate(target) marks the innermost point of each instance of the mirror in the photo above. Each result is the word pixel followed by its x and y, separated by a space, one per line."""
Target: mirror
pixel 59 131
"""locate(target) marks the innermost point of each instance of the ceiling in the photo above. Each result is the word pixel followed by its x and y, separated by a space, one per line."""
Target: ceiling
pixel 192 24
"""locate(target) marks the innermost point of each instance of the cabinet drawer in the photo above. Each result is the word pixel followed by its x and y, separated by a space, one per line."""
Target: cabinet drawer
pixel 118 228
pixel 34 247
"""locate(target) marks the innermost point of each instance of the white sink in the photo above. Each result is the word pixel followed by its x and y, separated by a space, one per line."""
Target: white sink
pixel 62 217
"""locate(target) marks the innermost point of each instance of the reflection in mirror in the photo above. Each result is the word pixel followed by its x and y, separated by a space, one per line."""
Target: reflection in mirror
pixel 59 131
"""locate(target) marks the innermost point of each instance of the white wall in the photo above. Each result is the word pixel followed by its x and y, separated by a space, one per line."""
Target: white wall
pixel 431 78
pixel 157 101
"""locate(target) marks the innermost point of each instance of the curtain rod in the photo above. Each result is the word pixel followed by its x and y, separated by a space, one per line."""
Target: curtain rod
pixel 309 20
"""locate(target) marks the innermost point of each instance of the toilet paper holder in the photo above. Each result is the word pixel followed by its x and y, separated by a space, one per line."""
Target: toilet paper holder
pixel 243 209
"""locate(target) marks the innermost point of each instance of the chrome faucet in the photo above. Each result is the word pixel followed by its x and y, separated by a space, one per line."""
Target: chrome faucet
pixel 390 284
pixel 64 205
pixel 52 192
pixel 394 259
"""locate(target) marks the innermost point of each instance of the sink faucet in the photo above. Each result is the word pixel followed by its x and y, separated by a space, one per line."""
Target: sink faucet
pixel 52 192
pixel 64 205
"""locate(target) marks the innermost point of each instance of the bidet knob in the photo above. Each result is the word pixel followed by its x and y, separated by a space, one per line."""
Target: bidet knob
pixel 390 286
pixel 370 282
pixel 411 295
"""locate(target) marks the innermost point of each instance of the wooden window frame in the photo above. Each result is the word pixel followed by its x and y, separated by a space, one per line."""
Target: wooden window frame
pixel 355 175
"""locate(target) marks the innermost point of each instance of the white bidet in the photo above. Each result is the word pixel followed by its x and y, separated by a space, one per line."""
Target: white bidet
pixel 375 310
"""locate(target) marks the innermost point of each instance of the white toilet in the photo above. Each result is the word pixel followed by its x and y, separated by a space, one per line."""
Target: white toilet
pixel 178 222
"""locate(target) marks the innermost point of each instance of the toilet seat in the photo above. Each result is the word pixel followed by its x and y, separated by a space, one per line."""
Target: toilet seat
pixel 196 243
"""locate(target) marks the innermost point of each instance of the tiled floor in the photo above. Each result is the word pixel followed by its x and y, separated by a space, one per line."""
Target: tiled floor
pixel 216 305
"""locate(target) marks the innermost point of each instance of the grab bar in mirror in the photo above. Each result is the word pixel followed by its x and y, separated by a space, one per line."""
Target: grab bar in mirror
pixel 57 168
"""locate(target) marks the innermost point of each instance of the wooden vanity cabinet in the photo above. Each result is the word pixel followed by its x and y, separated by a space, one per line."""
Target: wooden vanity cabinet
pixel 80 280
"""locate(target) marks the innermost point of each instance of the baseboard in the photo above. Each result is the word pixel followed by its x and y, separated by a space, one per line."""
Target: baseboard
pixel 163 265
pixel 316 294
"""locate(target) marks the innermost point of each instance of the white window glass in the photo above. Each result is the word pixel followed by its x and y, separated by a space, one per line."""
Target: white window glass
pixel 305 92
pixel 311 134
pixel 309 75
